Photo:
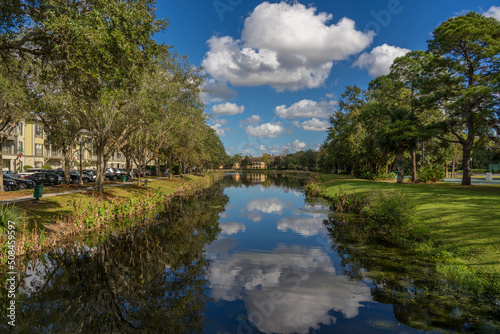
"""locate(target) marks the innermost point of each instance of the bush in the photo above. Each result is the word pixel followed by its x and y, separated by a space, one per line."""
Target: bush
pixel 47 167
pixel 344 202
pixel 27 167
pixel 10 213
pixel 430 173
pixel 390 217
pixel 315 189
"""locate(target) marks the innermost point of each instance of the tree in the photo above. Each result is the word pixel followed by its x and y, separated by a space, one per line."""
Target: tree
pixel 464 79
pixel 13 101
pixel 246 162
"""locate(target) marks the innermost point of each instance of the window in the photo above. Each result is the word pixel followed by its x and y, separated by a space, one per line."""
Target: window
pixel 9 147
pixel 38 131
pixel 38 150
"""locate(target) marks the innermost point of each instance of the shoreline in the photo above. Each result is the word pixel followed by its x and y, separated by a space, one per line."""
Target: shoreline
pixel 55 220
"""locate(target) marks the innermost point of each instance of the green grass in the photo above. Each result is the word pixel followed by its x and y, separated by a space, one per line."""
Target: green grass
pixel 464 221
pixel 47 209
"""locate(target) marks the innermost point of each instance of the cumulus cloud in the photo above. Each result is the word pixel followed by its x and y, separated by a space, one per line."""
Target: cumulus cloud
pixel 269 206
pixel 232 228
pixel 227 109
pixel 304 226
pixel 217 91
pixel 378 62
pixel 298 145
pixel 254 119
pixel 313 124
pixel 287 46
pixel 266 130
pixel 306 109
pixel 219 130
pixel 303 280
pixel 493 12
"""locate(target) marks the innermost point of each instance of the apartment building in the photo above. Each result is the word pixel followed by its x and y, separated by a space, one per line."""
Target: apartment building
pixel 27 145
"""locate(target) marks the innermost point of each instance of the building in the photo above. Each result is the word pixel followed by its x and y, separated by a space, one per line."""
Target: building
pixel 27 145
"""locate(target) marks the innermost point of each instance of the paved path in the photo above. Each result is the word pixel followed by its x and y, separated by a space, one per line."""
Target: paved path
pixel 80 190
pixel 474 181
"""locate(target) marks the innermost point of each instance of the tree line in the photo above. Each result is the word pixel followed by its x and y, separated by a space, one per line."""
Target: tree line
pixel 436 105
pixel 91 71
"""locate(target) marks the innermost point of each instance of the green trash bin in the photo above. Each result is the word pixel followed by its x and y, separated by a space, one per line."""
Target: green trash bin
pixel 38 191
pixel 124 178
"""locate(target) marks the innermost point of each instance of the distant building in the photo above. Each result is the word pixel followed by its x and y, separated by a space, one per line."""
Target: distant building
pixel 257 164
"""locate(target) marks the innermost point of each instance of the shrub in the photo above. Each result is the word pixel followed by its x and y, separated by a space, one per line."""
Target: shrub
pixel 430 173
pixel 27 167
pixel 390 217
pixel 344 202
pixel 10 213
pixel 315 189
pixel 47 167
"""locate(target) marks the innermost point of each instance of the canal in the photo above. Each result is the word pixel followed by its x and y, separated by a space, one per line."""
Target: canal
pixel 249 255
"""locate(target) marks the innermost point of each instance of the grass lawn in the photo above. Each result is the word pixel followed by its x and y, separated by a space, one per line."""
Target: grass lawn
pixel 47 209
pixel 463 220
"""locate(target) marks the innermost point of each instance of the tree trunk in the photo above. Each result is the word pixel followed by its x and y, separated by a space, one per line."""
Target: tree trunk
pixel 80 181
pixel 101 169
pixel 1 166
pixel 467 175
pixel 453 169
pixel 67 163
pixel 446 171
pixel 400 168
pixel 414 166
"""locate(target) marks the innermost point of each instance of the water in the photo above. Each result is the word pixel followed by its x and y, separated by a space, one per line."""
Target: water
pixel 248 256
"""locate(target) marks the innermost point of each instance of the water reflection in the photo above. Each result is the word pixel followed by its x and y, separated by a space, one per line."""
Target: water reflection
pixel 419 297
pixel 150 278
pixel 288 290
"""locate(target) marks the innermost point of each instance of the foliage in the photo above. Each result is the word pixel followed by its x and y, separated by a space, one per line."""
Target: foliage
pixel 344 202
pixel 314 188
pixel 431 173
pixel 47 167
pixel 27 167
pixel 10 213
pixel 390 216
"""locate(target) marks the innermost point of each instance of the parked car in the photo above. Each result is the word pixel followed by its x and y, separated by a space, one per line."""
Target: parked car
pixel 136 173
pixel 12 174
pixel 74 176
pixel 111 175
pixel 47 179
pixel 21 183
pixel 90 174
pixel 9 184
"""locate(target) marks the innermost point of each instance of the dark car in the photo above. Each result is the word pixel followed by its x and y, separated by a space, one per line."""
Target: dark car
pixel 9 184
pixel 21 183
pixel 74 176
pixel 47 179
pixel 90 175
pixel 111 174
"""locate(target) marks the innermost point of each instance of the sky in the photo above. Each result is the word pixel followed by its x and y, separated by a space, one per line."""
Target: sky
pixel 276 69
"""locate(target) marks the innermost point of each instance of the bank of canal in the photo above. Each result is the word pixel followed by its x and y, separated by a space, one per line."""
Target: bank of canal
pixel 248 255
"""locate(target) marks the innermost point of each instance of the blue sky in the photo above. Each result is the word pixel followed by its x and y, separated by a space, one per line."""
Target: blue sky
pixel 277 69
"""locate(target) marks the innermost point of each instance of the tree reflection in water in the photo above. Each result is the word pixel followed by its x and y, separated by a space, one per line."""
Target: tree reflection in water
pixel 150 278
pixel 420 298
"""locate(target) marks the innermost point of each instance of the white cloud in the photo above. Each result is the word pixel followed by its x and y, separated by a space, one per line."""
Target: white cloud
pixel 306 109
pixel 493 12
pixel 298 145
pixel 379 60
pixel 266 130
pixel 218 91
pixel 219 130
pixel 269 206
pixel 227 109
pixel 287 46
pixel 232 228
pixel 303 280
pixel 304 226
pixel 313 124
pixel 254 119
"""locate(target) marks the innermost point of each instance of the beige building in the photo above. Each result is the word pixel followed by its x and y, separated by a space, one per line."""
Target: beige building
pixel 28 146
